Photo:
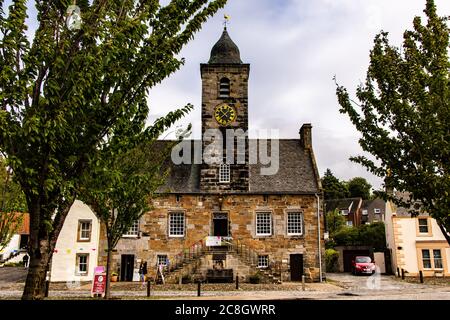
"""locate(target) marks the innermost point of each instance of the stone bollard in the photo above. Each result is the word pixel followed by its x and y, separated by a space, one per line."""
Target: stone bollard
pixel 148 288
pixel 47 286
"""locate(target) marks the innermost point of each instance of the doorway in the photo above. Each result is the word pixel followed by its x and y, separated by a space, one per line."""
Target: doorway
pixel 296 264
pixel 24 238
pixel 220 224
pixel 127 267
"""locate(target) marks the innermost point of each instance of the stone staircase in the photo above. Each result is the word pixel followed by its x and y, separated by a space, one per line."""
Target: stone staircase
pixel 15 257
pixel 271 274
pixel 194 262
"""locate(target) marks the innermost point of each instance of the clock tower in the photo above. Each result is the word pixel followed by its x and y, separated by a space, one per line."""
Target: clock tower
pixel 225 111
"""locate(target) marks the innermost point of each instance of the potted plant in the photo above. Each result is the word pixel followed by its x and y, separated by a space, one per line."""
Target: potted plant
pixel 114 276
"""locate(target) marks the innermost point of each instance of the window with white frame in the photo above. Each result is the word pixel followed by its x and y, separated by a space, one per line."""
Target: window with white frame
pixel 263 261
pixel 224 173
pixel 263 224
pixel 423 225
pixel 84 230
pixel 365 212
pixel 437 258
pixel 426 259
pixel 344 212
pixel 134 230
pixel 82 263
pixel 349 223
pixel 162 260
pixel 294 223
pixel 377 211
pixel 176 224
pixel 432 261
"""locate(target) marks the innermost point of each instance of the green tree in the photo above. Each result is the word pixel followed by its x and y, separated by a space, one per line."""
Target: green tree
pixel 335 222
pixel 331 260
pixel 348 236
pixel 119 186
pixel 403 114
pixel 358 187
pixel 333 188
pixel 372 235
pixel 68 93
pixel 12 202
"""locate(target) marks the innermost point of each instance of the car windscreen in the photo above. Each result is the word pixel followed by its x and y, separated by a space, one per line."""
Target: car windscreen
pixel 363 259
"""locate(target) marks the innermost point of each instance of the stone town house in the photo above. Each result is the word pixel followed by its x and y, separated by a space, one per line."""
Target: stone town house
pixel 266 220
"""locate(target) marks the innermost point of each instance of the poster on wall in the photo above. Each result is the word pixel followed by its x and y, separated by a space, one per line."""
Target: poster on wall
pixel 213 241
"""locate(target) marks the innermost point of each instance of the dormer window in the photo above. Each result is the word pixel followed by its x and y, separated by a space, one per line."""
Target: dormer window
pixel 224 173
pixel 224 88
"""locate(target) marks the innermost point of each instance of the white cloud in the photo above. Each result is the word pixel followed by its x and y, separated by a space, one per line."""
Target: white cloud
pixel 295 47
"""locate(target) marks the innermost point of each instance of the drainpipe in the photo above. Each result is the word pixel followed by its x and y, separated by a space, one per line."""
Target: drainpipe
pixel 318 237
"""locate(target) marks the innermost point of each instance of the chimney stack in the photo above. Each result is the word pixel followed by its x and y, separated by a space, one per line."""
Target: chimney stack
pixel 305 136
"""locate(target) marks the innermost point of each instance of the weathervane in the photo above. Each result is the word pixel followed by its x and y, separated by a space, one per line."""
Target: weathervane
pixel 227 20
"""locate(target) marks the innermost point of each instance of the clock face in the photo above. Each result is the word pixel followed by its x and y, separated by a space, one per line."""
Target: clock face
pixel 224 114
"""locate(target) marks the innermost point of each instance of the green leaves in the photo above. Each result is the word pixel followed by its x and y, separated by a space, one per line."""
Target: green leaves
pixel 12 201
pixel 403 114
pixel 372 235
pixel 332 187
pixel 73 98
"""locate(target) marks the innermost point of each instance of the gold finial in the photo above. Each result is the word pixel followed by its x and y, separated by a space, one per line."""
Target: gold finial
pixel 227 20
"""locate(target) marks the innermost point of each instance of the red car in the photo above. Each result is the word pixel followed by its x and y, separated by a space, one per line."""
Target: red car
pixel 363 265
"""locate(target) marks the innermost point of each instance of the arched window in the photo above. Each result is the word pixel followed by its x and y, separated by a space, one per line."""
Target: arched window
pixel 224 88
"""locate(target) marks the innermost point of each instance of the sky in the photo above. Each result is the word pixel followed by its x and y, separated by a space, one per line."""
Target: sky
pixel 295 48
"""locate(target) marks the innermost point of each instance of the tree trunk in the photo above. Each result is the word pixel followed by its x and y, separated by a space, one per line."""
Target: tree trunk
pixel 41 247
pixel 108 273
pixel 39 256
pixel 37 271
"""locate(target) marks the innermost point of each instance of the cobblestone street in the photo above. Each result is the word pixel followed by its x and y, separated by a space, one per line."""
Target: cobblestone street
pixel 339 286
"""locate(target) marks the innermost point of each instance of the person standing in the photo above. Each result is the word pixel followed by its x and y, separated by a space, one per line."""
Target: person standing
pixel 26 260
pixel 144 271
pixel 141 271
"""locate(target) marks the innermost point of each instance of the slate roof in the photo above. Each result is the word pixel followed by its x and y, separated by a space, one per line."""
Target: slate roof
pixel 351 204
pixel 406 212
pixel 370 205
pixel 225 51
pixel 296 174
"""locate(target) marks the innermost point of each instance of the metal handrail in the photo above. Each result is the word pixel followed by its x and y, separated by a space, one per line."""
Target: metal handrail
pixel 192 252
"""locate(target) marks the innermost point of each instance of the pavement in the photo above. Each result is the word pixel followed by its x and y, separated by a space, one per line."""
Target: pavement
pixel 9 275
pixel 338 286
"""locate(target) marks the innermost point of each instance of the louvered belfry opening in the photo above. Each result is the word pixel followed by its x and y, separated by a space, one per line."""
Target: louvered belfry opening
pixel 224 88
